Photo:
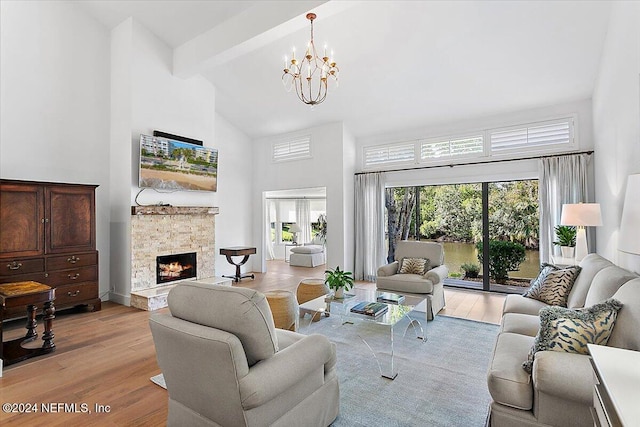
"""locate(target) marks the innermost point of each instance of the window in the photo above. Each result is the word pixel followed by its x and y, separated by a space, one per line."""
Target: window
pixel 538 135
pixel 548 136
pixel 452 147
pixel 392 153
pixel 294 149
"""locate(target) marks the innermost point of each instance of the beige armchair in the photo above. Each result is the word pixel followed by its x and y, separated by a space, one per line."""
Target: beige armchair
pixel 225 364
pixel 428 285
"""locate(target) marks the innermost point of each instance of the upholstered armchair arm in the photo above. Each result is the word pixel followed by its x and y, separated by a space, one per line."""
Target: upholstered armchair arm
pixel 388 270
pixel 437 274
pixel 564 375
pixel 271 377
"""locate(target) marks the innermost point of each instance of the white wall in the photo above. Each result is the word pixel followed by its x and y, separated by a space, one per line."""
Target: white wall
pixel 616 122
pixel 54 108
pixel 120 162
pixel 234 196
pixel 348 196
pixel 326 168
pixel 143 85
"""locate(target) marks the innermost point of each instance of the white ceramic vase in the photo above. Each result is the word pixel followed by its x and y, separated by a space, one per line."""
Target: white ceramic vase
pixel 568 251
pixel 339 292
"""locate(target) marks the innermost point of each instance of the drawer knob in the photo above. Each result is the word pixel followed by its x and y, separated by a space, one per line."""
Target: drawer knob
pixel 15 265
pixel 73 259
pixel 73 276
pixel 73 294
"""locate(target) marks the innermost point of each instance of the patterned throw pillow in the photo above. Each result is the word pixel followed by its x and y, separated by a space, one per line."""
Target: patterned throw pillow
pixel 535 284
pixel 413 266
pixel 568 330
pixel 553 284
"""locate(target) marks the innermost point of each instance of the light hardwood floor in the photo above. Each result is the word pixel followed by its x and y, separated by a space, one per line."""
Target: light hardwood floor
pixel 106 358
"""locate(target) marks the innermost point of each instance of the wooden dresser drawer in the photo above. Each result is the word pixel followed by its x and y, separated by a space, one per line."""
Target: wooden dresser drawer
pixel 76 260
pixel 36 277
pixel 73 275
pixel 75 293
pixel 14 267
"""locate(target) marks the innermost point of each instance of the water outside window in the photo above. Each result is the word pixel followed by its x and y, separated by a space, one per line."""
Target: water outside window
pixel 452 215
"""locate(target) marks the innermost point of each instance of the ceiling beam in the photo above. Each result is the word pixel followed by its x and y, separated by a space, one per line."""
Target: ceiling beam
pixel 255 27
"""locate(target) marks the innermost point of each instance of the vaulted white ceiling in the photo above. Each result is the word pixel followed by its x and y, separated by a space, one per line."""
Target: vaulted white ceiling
pixel 404 64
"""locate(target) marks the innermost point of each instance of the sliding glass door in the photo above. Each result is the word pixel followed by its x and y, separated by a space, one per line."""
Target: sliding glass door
pixel 499 219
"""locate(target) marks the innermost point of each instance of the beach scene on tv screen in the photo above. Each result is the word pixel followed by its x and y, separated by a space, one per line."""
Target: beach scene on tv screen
pixel 174 165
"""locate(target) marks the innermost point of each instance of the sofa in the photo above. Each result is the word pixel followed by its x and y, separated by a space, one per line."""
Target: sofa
pixel 559 390
pixel 225 364
pixel 429 284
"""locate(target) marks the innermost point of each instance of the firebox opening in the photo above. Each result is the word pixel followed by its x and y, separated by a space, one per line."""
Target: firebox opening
pixel 175 267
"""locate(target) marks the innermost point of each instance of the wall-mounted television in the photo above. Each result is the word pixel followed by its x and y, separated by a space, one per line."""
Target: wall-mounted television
pixel 166 164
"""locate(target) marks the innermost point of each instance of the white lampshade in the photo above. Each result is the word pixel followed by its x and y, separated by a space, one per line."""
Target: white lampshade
pixel 295 228
pixel 582 214
pixel 629 240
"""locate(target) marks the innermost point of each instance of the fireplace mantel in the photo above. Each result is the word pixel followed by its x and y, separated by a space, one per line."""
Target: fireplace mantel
pixel 174 210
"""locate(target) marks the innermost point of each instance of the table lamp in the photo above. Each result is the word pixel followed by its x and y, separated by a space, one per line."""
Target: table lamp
pixel 295 229
pixel 581 215
pixel 629 240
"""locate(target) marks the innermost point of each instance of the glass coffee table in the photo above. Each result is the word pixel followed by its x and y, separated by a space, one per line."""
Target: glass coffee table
pixel 339 310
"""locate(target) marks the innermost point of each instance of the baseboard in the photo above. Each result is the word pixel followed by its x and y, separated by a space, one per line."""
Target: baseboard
pixel 120 299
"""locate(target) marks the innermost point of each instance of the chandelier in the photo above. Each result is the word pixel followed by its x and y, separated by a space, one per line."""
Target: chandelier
pixel 310 75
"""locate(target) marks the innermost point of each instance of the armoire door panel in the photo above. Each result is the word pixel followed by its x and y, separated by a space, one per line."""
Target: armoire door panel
pixel 21 220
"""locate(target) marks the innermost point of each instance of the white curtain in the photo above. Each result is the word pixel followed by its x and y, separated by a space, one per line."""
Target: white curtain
pixel 563 179
pixel 271 218
pixel 303 219
pixel 369 225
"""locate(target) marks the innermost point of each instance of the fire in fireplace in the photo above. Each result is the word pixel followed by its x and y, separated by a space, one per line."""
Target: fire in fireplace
pixel 175 267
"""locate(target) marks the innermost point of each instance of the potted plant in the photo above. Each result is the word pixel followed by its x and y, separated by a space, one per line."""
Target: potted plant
pixel 566 236
pixel 339 281
pixel 471 271
pixel 322 228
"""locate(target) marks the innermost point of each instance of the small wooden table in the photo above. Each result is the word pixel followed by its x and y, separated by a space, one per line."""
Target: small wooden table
pixel 29 294
pixel 244 251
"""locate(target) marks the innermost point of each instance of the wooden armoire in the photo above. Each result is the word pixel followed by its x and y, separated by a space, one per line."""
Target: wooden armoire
pixel 48 235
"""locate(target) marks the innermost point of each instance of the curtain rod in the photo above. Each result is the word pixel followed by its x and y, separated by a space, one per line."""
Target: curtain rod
pixel 297 198
pixel 478 163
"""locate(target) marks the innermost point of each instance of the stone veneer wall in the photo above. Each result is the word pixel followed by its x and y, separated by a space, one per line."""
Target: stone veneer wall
pixel 165 230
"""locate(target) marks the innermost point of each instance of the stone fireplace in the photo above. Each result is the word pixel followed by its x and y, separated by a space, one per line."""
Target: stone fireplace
pixel 177 233
pixel 170 268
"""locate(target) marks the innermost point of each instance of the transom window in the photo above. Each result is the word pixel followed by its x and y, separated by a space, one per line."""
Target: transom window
pixel 547 136
pixel 293 149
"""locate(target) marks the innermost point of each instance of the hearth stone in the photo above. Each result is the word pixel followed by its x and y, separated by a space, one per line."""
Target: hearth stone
pixel 156 298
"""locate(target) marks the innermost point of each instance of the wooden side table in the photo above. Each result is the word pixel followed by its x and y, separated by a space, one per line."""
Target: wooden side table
pixel 243 251
pixel 29 295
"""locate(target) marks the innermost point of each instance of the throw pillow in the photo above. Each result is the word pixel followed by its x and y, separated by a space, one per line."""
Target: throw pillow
pixel 569 330
pixel 553 284
pixel 413 266
pixel 535 284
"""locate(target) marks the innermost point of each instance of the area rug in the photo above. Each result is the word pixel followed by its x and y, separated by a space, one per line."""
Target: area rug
pixel 442 382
